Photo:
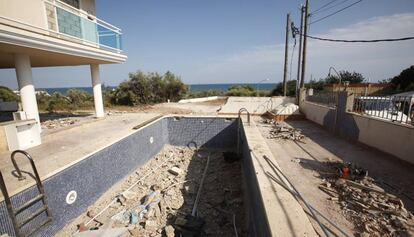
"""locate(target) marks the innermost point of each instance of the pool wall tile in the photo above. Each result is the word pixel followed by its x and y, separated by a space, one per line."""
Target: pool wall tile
pixel 94 175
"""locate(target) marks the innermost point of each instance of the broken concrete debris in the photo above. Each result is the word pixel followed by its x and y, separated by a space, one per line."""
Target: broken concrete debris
pixel 58 123
pixel 162 203
pixel 373 211
pixel 280 130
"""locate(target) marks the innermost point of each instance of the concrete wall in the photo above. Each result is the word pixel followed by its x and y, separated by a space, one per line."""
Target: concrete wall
pixel 389 137
pixel 392 138
pixel 28 11
pixel 202 99
pixel 322 115
pixel 255 105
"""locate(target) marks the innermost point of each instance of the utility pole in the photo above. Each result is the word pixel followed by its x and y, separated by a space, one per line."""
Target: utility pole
pixel 298 81
pixel 285 71
pixel 305 33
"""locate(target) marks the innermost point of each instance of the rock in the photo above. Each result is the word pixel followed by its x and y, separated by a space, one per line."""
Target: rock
pixel 128 195
pixel 169 231
pixel 175 170
pixel 135 231
pixel 151 225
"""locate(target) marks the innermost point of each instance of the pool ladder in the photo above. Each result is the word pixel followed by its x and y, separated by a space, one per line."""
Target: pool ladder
pixel 41 197
pixel 239 124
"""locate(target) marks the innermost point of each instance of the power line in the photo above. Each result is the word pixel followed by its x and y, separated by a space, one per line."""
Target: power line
pixel 334 13
pixel 329 8
pixel 323 6
pixel 362 41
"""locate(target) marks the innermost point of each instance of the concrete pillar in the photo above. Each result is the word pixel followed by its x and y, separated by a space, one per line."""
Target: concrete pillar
pixel 97 91
pixel 26 87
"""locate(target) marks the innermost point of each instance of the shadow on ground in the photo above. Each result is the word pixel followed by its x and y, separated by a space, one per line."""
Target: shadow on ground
pixel 392 174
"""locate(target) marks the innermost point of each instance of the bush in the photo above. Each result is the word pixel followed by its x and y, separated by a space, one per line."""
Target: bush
pixel 404 81
pixel 7 95
pixel 79 98
pixel 241 90
pixel 291 88
pixel 148 88
pixel 58 102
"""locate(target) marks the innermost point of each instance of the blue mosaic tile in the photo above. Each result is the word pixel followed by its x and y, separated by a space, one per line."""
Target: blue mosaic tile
pixel 94 175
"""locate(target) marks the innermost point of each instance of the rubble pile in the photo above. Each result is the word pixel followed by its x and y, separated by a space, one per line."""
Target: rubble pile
pixel 58 123
pixel 373 211
pixel 162 203
pixel 280 130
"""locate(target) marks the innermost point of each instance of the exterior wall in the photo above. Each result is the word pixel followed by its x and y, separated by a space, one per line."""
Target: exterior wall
pixel 27 11
pixel 386 136
pixel 88 6
pixel 322 115
pixel 362 88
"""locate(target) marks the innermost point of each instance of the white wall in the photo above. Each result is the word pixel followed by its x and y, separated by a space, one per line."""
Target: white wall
pixel 27 11
pixel 389 137
pixel 316 113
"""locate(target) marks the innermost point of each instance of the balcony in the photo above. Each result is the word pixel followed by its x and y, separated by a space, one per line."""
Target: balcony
pixel 72 24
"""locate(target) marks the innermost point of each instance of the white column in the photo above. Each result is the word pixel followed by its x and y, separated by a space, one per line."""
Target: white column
pixel 26 87
pixel 97 91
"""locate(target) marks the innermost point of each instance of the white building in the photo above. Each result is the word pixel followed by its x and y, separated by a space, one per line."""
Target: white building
pixel 44 33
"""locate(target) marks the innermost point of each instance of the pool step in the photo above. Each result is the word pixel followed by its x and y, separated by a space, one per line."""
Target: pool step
pixel 41 197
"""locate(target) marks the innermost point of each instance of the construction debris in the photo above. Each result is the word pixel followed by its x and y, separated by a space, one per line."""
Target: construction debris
pixel 281 130
pixel 373 211
pixel 162 203
pixel 58 123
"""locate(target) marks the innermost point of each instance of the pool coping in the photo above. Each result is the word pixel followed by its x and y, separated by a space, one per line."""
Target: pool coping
pixel 134 130
pixel 284 214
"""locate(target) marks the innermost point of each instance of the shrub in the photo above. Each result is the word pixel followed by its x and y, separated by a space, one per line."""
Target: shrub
pixel 147 88
pixel 7 95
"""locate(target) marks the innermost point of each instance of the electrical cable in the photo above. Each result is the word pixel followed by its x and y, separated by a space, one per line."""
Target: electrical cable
pixel 329 8
pixel 325 5
pixel 362 41
pixel 336 12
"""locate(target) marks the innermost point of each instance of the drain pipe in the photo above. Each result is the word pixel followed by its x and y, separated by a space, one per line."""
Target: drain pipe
pixel 193 212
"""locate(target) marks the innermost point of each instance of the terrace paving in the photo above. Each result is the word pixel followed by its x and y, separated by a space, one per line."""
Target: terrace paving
pixel 61 148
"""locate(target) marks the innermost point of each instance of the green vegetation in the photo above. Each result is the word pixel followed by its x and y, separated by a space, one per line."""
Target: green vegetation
pixel 7 95
pixel 74 100
pixel 351 77
pixel 291 88
pixel 147 88
pixel 404 81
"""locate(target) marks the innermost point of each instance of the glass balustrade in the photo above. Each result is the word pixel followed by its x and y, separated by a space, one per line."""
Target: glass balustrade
pixel 72 22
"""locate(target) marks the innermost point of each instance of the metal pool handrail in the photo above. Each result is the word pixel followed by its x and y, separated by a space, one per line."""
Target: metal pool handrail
pixel 13 212
pixel 239 123
pixel 248 114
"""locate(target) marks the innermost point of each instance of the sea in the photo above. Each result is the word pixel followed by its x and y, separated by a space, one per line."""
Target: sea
pixel 192 87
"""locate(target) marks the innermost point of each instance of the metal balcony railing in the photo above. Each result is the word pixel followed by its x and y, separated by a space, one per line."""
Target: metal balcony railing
pixel 398 109
pixel 328 98
pixel 77 25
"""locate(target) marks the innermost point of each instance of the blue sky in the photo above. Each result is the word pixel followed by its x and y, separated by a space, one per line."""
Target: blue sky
pixel 241 41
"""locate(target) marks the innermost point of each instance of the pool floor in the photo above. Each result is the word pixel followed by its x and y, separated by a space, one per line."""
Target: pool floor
pixel 169 183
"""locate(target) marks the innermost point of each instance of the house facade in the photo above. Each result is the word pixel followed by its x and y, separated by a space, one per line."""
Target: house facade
pixel 46 33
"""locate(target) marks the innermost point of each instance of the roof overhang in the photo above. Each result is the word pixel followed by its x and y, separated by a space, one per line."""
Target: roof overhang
pixel 47 51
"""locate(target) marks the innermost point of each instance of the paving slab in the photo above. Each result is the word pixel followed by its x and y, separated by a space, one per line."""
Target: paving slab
pixel 61 149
